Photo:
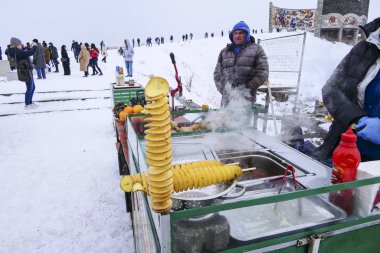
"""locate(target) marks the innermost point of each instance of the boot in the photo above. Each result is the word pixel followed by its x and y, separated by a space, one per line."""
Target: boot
pixel 100 73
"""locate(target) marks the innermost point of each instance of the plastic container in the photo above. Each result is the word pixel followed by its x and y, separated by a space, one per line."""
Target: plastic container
pixel 346 159
pixel 120 81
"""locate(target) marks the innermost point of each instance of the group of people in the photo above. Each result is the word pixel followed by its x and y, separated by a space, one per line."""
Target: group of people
pixel 45 56
pixel 88 57
pixel 351 94
pixel 40 56
pixel 77 47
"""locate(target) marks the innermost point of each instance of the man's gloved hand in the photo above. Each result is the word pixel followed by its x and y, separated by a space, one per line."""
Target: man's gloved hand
pixel 370 129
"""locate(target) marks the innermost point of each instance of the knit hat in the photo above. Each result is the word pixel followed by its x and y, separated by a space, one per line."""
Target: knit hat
pixel 15 41
pixel 240 26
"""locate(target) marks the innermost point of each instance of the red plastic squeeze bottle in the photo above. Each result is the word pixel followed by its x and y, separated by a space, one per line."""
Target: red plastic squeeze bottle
pixel 346 159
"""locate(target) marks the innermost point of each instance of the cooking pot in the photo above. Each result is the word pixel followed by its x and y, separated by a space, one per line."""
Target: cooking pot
pixel 205 196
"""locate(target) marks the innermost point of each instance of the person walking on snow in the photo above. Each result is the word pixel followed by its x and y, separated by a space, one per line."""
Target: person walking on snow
pixel 352 95
pixel 241 65
pixel 84 60
pixel 47 55
pixel 39 60
pixel 65 61
pixel 104 53
pixel 94 53
pixel 128 53
pixel 54 56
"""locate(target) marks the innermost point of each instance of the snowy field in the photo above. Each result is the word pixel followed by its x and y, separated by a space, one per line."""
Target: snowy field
pixel 60 179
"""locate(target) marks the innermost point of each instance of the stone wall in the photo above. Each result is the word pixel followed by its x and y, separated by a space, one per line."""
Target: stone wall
pixel 339 20
pixel 343 7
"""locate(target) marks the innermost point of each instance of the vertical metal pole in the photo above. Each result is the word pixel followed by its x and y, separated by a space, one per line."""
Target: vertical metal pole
pixel 272 108
pixel 173 108
pixel 299 73
pixel 266 111
pixel 255 116
pixel 165 233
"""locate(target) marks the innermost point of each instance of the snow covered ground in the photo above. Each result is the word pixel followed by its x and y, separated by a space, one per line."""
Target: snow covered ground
pixel 60 182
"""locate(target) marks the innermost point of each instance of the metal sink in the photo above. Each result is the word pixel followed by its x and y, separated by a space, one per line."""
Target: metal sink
pixel 267 164
pixel 254 222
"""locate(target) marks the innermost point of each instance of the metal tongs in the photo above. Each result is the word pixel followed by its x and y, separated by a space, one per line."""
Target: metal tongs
pixel 291 170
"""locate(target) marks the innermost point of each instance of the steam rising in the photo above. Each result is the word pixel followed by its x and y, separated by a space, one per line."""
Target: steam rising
pixel 237 114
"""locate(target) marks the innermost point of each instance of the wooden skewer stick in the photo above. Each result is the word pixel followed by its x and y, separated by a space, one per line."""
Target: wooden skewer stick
pixel 249 169
pixel 244 170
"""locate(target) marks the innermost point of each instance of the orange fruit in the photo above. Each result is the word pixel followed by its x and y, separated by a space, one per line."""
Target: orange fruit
pixel 122 116
pixel 138 108
pixel 128 110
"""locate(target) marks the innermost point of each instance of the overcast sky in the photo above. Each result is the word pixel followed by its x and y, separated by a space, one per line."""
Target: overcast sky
pixel 113 20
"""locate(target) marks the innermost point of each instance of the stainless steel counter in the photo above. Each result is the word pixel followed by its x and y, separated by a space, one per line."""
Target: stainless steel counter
pixel 215 145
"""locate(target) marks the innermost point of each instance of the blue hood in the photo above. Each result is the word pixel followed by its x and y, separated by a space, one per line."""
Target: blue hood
pixel 240 26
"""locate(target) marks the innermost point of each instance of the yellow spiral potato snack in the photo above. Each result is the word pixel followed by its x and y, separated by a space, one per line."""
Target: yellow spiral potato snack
pixel 183 177
pixel 159 183
pixel 188 177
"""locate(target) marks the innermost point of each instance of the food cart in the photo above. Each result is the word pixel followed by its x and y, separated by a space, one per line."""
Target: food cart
pixel 257 218
pixel 279 203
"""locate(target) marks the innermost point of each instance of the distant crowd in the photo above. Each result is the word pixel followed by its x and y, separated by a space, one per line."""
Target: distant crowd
pixel 160 40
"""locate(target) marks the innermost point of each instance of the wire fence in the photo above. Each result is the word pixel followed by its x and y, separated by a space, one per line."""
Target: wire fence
pixel 284 58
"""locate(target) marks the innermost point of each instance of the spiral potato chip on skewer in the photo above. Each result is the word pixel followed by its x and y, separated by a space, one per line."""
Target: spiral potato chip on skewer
pixel 185 176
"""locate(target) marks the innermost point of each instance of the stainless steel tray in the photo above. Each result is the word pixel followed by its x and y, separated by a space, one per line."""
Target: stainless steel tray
pixel 255 222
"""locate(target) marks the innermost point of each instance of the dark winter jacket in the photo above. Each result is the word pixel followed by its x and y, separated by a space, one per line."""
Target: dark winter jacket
pixel 64 54
pixel 38 57
pixel 54 52
pixel 247 69
pixel 340 93
pixel 21 54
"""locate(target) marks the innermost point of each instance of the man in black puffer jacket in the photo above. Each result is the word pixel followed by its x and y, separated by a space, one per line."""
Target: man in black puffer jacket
pixel 352 95
pixel 241 65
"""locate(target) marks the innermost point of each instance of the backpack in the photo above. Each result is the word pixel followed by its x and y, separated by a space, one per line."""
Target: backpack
pixel 96 52
pixel 23 72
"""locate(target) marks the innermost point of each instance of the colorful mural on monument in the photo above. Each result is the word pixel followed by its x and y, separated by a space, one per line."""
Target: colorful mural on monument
pixel 293 19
